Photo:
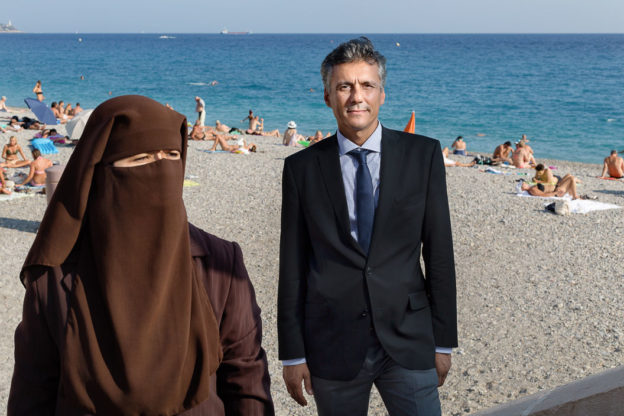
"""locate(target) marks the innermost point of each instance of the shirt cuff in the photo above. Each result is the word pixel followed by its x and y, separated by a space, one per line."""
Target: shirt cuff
pixel 295 361
pixel 443 350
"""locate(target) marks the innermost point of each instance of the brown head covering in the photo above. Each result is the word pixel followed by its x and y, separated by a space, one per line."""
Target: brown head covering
pixel 141 337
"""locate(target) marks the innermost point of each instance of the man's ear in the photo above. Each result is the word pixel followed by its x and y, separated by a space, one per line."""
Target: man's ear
pixel 326 97
pixel 383 96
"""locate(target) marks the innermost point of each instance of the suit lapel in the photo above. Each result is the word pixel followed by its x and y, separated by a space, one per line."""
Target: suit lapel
pixel 331 172
pixel 392 156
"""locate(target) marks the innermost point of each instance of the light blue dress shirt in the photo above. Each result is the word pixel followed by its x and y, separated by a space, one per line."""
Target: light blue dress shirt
pixel 349 166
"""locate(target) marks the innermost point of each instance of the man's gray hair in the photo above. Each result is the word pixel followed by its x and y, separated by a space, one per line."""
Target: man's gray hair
pixel 355 50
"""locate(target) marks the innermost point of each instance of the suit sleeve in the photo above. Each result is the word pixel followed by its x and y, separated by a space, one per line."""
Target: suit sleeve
pixel 294 246
pixel 243 382
pixel 36 373
pixel 438 255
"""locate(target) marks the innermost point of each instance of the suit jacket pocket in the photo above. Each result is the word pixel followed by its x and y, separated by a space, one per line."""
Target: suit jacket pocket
pixel 315 310
pixel 418 300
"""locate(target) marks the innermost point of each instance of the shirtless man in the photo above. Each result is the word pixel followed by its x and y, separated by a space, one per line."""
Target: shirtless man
pixel 521 158
pixel 459 146
pixel 57 113
pixel 222 128
pixel 524 141
pixel 77 109
pixel 249 117
pixel 258 130
pixel 502 153
pixel 614 165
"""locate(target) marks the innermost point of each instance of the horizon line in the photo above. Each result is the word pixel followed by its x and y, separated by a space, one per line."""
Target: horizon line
pixel 314 33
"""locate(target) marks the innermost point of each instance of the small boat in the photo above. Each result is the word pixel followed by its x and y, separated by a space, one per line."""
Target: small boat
pixel 166 37
pixel 227 32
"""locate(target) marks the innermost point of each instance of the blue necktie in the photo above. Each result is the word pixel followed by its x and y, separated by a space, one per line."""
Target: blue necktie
pixel 364 199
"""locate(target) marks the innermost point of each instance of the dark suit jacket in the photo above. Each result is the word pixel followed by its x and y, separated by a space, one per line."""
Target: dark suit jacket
pixel 331 293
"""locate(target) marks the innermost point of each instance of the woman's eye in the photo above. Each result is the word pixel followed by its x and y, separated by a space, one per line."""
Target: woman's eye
pixel 141 158
pixel 173 154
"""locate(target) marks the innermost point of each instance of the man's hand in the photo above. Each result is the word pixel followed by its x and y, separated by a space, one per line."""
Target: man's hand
pixel 443 365
pixel 294 374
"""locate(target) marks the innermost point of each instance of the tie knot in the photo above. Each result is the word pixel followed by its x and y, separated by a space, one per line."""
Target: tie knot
pixel 360 155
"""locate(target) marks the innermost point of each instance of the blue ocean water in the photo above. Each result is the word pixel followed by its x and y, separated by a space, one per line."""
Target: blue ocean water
pixel 563 91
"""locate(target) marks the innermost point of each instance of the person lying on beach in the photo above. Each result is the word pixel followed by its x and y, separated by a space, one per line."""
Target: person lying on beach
pixel 459 146
pixel 198 132
pixel 318 136
pixel 567 185
pixel 37 174
pixel 3 106
pixel 291 137
pixel 223 128
pixel 38 91
pixel 258 129
pixel 450 162
pixel 614 165
pixel 545 176
pixel 9 154
pixel 502 153
pixel 14 124
pixel 521 157
pixel 240 147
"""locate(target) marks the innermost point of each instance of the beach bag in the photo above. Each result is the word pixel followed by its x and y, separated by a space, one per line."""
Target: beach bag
pixel 559 207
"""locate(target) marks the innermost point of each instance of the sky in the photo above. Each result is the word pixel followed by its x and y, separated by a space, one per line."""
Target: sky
pixel 317 16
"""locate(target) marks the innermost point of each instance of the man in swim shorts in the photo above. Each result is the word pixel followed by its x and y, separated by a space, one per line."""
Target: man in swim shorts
pixel 614 165
pixel 459 146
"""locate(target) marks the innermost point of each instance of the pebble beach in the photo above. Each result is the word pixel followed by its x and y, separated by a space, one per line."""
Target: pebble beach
pixel 539 295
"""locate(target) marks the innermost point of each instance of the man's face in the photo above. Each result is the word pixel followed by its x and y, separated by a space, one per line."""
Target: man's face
pixel 355 95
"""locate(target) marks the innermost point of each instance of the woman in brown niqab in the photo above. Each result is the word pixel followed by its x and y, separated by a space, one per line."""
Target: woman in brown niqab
pixel 141 336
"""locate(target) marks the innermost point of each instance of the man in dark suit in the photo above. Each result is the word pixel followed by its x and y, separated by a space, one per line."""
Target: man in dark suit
pixel 354 307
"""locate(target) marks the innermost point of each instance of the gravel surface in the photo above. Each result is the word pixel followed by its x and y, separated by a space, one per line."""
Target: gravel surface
pixel 539 295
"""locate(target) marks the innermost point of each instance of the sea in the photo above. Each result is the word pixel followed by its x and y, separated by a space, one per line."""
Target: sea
pixel 565 92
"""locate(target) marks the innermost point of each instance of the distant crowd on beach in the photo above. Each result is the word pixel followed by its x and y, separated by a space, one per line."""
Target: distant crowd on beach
pixel 544 183
pixel 232 139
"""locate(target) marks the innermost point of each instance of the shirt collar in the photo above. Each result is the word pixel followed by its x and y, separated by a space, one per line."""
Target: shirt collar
pixel 373 143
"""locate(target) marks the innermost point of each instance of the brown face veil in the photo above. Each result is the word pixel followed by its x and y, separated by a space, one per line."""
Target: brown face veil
pixel 141 337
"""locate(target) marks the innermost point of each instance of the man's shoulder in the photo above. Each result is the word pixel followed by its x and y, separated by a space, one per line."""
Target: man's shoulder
pixel 310 153
pixel 409 139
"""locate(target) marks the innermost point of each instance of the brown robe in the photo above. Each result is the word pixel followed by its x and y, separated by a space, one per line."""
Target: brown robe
pixel 241 383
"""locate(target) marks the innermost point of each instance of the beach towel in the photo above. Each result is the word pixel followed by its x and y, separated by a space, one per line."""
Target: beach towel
pixel 304 143
pixel 577 206
pixel 214 151
pixel 189 183
pixel 45 146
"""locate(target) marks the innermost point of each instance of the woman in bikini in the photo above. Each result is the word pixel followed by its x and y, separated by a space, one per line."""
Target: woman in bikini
pixel 240 146
pixel 566 185
pixel 37 174
pixel 38 91
pixel 9 154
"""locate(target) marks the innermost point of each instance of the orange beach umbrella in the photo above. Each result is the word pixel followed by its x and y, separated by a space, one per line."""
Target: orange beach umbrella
pixel 411 124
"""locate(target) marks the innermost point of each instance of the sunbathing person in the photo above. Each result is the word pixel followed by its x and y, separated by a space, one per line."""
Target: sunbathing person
pixel 14 124
pixel 459 146
pixel 241 146
pixel 291 137
pixel 318 136
pixel 3 106
pixel 3 185
pixel 450 162
pixel 614 165
pixel 521 157
pixel 502 153
pixel 567 185
pixel 37 174
pixel 545 176
pixel 198 133
pixel 525 142
pixel 258 130
pixel 9 154
pixel 78 109
pixel 222 128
